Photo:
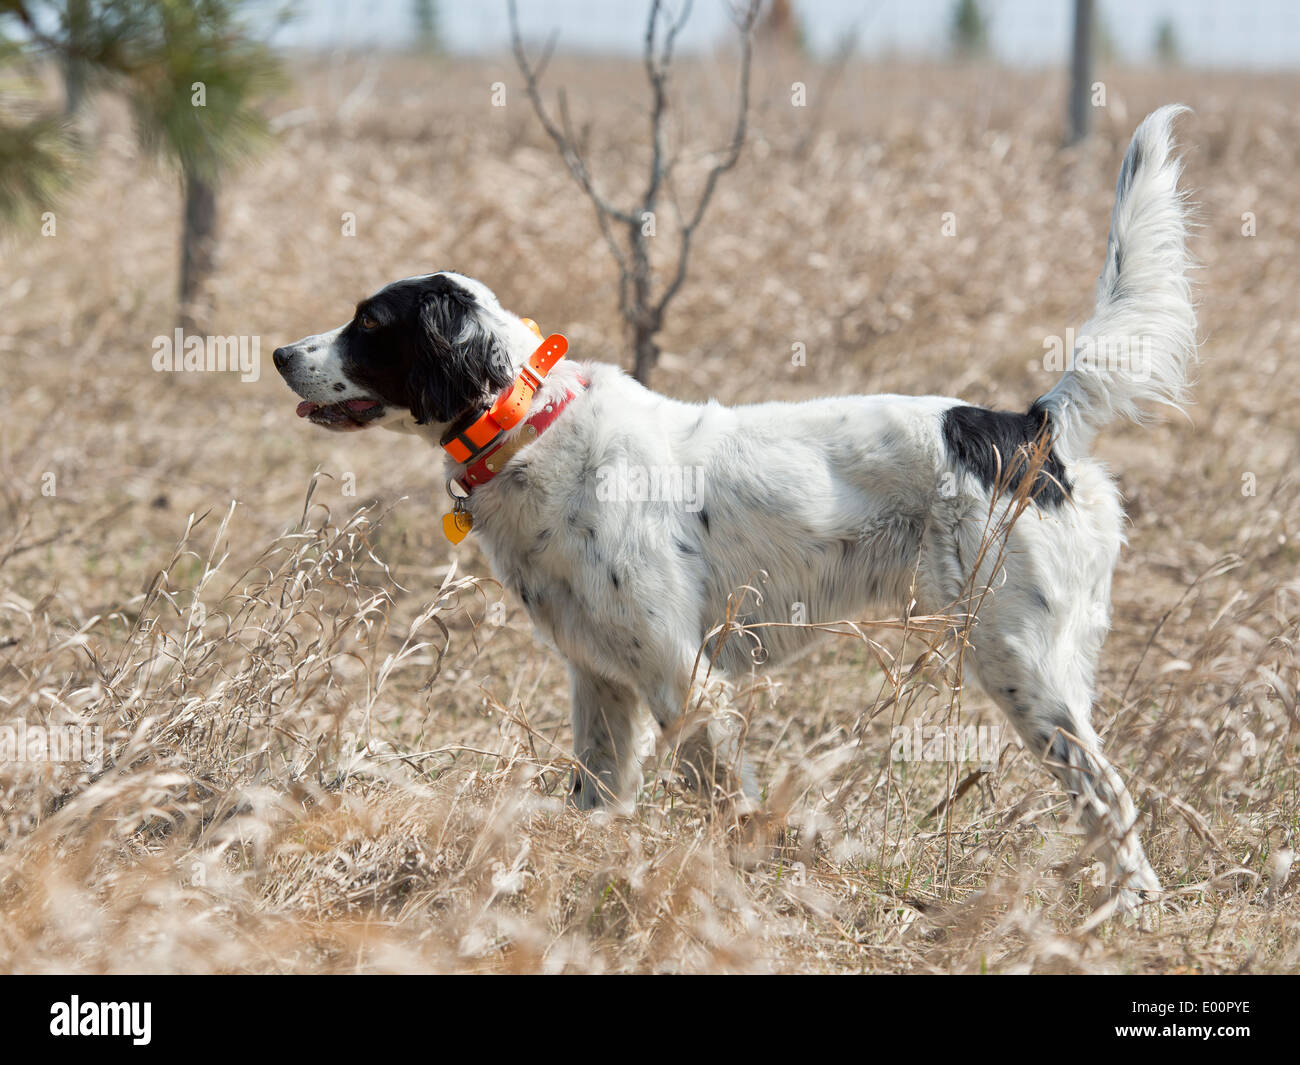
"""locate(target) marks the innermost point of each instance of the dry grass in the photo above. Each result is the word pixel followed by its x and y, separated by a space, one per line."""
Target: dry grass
pixel 328 750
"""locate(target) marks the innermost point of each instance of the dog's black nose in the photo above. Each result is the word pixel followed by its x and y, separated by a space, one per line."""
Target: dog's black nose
pixel 281 357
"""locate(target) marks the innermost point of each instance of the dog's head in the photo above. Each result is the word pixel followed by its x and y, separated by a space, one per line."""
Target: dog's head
pixel 426 350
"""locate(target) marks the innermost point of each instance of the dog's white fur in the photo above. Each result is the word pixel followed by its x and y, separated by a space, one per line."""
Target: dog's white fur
pixel 842 505
pixel 1143 291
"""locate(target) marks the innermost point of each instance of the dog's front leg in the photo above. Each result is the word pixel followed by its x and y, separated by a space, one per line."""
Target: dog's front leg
pixel 604 735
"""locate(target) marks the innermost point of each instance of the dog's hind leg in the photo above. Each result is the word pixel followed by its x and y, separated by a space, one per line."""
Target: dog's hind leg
pixel 604 740
pixel 1046 692
pixel 1042 602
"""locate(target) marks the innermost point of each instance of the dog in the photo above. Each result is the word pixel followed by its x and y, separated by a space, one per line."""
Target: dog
pixel 841 504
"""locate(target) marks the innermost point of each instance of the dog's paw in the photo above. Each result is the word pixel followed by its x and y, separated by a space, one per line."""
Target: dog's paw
pixel 1133 897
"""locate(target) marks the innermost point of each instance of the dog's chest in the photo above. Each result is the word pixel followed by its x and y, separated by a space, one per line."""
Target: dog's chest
pixel 558 552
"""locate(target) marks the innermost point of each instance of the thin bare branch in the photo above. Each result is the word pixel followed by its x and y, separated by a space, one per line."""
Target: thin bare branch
pixel 746 23
pixel 567 148
pixel 658 62
pixel 641 311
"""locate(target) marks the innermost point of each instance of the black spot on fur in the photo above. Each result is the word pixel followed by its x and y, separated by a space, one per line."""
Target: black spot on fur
pixel 613 579
pixel 704 517
pixel 1127 172
pixel 1129 168
pixel 976 438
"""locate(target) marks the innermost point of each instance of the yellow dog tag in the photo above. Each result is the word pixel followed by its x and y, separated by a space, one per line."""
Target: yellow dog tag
pixel 456 525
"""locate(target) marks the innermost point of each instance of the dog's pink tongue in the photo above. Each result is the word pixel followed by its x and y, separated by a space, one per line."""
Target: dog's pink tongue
pixel 360 404
pixel 306 407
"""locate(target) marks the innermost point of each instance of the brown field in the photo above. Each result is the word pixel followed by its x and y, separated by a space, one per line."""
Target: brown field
pixel 326 750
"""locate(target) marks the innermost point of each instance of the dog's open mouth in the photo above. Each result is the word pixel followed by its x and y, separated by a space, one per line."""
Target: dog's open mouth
pixel 351 414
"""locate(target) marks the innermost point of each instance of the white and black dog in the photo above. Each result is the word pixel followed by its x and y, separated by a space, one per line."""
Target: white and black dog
pixel 841 504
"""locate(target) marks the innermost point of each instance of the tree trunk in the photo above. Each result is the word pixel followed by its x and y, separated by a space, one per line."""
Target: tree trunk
pixel 76 69
pixel 1081 72
pixel 646 354
pixel 641 316
pixel 74 87
pixel 198 242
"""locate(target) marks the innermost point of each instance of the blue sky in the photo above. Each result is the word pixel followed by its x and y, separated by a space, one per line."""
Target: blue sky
pixel 1258 34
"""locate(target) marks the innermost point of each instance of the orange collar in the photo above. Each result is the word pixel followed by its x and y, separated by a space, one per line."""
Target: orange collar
pixel 481 444
pixel 471 442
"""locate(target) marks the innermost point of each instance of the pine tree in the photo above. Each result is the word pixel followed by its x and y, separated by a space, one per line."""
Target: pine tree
pixel 193 94
pixel 192 72
pixel 970 29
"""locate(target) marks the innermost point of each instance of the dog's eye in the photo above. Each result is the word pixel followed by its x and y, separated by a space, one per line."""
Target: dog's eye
pixel 367 322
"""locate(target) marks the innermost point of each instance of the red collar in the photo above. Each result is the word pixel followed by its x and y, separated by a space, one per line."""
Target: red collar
pixel 489 462
pixel 480 443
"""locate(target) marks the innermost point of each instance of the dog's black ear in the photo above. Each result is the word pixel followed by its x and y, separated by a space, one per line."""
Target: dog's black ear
pixel 459 362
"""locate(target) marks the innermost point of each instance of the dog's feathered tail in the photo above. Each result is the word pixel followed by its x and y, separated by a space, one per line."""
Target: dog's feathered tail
pixel 1141 339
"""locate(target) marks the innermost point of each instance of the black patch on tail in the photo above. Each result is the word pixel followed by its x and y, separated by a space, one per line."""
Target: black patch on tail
pixel 976 437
